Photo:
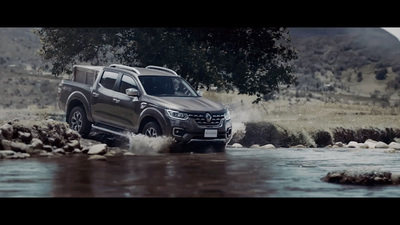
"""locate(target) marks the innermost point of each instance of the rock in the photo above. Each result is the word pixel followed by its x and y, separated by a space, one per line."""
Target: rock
pixel 298 146
pixel 71 145
pixel 268 146
pixel 381 144
pixel 98 157
pixel 47 148
pixel 7 131
pixel 338 144
pixel 255 146
pixel 45 154
pixel 362 145
pixel 6 144
pixel 18 146
pixel 360 177
pixel 76 150
pixel 74 144
pixel 394 145
pixel 19 155
pixel 5 153
pixel 371 143
pixel 98 149
pixel 25 137
pixel 237 145
pixel 395 178
pixel 36 143
pixel 59 151
pixel 353 144
pixel 129 154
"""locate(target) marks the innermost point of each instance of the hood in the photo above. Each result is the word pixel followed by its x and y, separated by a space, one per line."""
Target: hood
pixel 187 104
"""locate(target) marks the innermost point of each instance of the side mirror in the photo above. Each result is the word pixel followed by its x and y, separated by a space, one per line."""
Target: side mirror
pixel 133 92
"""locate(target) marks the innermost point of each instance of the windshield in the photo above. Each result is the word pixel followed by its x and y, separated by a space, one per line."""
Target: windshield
pixel 167 86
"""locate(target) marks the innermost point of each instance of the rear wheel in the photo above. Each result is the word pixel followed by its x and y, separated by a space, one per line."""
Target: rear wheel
pixel 152 129
pixel 78 121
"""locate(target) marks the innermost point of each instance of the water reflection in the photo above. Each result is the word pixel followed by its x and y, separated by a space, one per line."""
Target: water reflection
pixel 236 173
pixel 30 178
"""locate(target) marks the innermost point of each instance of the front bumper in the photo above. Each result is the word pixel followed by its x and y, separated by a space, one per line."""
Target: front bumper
pixel 190 132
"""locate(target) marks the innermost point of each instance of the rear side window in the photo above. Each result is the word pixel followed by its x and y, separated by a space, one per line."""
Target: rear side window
pixel 108 79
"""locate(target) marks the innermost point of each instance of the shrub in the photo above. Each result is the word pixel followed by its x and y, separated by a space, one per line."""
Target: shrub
pixel 381 74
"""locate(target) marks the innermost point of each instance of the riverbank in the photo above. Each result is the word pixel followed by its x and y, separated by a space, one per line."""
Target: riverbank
pixel 310 122
pixel 281 123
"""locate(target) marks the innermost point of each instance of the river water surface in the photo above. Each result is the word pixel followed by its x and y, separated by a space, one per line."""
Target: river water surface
pixel 238 172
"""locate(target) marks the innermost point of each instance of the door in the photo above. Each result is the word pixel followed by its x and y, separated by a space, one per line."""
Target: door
pixel 127 108
pixel 103 98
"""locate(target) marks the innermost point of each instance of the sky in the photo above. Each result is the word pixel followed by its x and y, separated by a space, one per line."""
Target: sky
pixel 393 30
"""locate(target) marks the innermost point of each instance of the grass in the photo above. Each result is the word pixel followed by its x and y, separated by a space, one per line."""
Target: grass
pixel 306 121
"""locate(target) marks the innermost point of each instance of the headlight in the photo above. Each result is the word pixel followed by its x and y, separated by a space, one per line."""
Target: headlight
pixel 176 114
pixel 227 115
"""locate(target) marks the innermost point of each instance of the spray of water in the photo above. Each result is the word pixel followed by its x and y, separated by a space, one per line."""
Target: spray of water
pixel 143 145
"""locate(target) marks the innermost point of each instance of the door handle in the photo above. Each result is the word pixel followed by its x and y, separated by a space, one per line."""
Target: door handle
pixel 95 94
pixel 116 100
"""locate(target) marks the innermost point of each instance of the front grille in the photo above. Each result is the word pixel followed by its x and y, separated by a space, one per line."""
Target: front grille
pixel 201 119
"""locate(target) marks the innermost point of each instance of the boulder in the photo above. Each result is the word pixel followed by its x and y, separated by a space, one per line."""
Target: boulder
pixel 353 144
pixel 371 143
pixel 268 146
pixel 7 131
pixel 381 144
pixel 394 145
pixel 18 146
pixel 361 177
pixel 36 143
pixel 237 145
pixel 98 149
pixel 25 137
pixel 5 153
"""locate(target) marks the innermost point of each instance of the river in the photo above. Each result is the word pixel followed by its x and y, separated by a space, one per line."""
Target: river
pixel 238 172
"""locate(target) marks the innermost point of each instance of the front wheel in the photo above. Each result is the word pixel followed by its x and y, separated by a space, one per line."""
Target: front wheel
pixel 152 129
pixel 78 121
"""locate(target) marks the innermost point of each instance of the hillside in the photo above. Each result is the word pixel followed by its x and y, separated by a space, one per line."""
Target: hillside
pixel 337 62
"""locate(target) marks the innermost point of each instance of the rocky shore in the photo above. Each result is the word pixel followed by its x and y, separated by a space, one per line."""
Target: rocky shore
pixel 268 136
pixel 20 139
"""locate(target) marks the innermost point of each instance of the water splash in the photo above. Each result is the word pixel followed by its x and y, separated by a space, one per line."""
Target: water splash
pixel 143 145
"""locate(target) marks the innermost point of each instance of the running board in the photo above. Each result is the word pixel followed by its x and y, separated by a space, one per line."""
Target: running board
pixel 109 130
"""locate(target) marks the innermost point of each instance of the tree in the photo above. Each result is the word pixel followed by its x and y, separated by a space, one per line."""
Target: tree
pixel 256 61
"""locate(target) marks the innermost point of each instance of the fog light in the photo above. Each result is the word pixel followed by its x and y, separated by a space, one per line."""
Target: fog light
pixel 229 132
pixel 178 132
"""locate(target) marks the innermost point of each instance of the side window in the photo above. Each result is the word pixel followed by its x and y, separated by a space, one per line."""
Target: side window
pixel 127 82
pixel 108 79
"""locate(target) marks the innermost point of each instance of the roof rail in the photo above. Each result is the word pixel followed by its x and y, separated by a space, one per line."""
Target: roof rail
pixel 162 68
pixel 125 67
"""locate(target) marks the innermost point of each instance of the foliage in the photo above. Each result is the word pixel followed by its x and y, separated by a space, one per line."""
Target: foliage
pixel 381 74
pixel 256 61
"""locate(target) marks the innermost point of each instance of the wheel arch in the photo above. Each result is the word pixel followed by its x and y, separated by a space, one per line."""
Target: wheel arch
pixel 78 99
pixel 152 114
pixel 146 120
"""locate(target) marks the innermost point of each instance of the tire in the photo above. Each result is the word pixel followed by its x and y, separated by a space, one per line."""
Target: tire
pixel 152 129
pixel 78 121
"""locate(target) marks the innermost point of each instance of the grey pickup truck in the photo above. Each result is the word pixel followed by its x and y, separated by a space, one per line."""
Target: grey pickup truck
pixel 154 101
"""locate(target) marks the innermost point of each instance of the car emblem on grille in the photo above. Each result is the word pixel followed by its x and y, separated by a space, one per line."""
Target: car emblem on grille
pixel 208 117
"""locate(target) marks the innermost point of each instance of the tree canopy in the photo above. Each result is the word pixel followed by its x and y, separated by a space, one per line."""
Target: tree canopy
pixel 255 61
